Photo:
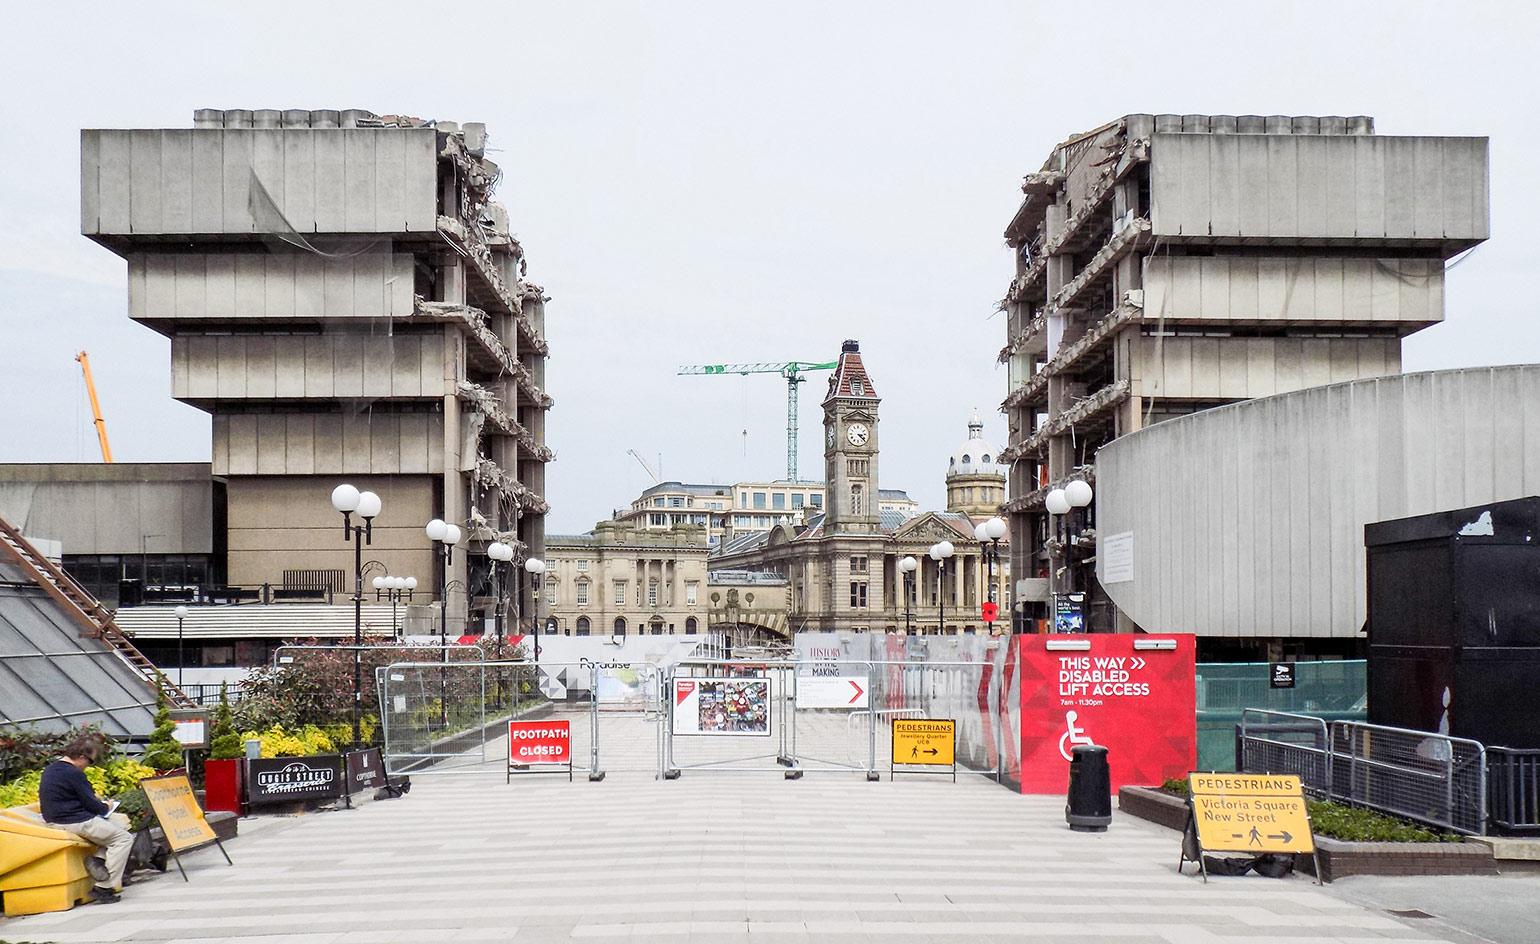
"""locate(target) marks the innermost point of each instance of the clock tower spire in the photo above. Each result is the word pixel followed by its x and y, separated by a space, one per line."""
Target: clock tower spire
pixel 850 448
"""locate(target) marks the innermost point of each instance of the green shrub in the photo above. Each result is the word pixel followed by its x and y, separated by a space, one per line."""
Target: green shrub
pixel 224 742
pixel 1177 787
pixel 1354 824
pixel 163 752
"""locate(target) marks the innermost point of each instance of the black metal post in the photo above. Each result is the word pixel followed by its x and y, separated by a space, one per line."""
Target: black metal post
pixel 941 596
pixel 358 533
pixel 443 648
pixel 497 622
pixel 908 601
pixel 180 661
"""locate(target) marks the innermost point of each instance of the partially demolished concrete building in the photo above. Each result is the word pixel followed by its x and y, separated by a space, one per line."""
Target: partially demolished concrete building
pixel 1166 264
pixel 344 297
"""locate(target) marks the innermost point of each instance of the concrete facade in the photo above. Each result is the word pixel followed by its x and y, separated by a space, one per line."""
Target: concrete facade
pixel 1247 522
pixel 343 295
pixel 1167 264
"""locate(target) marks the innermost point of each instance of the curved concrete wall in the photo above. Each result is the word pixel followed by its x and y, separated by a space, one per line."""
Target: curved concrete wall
pixel 1247 520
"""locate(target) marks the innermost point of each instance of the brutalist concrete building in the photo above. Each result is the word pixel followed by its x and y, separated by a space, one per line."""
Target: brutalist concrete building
pixel 1166 264
pixel 344 297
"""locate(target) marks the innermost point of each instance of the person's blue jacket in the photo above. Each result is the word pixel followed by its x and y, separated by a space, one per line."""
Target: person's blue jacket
pixel 66 795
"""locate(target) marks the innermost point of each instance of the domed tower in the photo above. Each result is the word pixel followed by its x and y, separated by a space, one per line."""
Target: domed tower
pixel 975 482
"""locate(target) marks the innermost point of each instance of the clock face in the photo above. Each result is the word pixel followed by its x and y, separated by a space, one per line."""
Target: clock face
pixel 857 434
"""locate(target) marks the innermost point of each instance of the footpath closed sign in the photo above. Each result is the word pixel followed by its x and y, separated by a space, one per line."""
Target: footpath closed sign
pixel 929 742
pixel 1253 813
pixel 540 742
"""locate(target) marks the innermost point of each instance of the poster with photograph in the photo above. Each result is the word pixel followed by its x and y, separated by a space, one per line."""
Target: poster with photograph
pixel 722 707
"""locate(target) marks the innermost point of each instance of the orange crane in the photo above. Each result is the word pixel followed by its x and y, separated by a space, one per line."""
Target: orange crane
pixel 96 407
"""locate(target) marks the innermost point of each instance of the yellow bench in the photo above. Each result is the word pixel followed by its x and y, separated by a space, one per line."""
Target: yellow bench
pixel 41 868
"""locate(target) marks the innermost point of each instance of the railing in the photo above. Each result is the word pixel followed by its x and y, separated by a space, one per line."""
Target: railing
pixel 262 594
pixel 1513 787
pixel 1430 778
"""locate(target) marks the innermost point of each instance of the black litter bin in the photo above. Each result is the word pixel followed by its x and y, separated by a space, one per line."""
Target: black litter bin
pixel 1088 808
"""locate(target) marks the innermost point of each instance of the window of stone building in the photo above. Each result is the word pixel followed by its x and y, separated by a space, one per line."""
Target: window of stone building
pixel 657 627
pixel 582 565
pixel 620 625
pixel 778 500
pixel 582 593
pixel 796 500
pixel 759 499
pixel 657 520
pixel 858 594
pixel 857 388
pixel 857 500
pixel 676 502
pixel 652 593
pixel 691 591
pixel 583 626
pixel 858 564
pixel 691 626
pixel 743 499
pixel 620 593
pixel 815 500
pixel 856 467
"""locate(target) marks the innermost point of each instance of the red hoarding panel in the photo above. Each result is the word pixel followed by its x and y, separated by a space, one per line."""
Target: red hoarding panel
pixel 1140 704
pixel 540 742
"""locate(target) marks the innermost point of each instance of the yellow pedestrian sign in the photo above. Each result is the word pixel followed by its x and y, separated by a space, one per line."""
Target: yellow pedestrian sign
pixel 1249 813
pixel 924 742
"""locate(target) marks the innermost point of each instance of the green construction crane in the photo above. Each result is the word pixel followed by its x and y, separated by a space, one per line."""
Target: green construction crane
pixel 792 371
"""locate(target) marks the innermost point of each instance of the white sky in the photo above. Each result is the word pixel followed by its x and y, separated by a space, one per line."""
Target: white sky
pixel 699 183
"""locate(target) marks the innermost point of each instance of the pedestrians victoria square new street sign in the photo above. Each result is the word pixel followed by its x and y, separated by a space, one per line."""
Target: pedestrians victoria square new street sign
pixel 1249 813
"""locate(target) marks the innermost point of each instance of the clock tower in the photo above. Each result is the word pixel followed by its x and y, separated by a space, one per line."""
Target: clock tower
pixel 850 448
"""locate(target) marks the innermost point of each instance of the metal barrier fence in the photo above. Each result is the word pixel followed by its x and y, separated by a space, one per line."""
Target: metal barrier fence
pixel 1431 778
pixel 1513 782
pixel 1333 689
pixel 1278 742
pixel 786 716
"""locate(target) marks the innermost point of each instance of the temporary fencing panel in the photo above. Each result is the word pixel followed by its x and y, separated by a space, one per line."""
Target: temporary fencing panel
pixel 1334 689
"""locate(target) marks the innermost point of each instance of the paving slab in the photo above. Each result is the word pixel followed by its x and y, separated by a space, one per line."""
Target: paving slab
pixel 710 856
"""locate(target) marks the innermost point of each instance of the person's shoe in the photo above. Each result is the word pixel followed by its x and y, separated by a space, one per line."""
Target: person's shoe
pixel 97 866
pixel 104 896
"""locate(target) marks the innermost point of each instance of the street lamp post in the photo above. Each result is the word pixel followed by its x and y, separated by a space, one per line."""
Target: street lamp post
pixel 393 588
pixel 939 553
pixel 907 566
pixel 500 554
pixel 349 501
pixel 536 567
pixel 1060 503
pixel 988 534
pixel 181 614
pixel 446 536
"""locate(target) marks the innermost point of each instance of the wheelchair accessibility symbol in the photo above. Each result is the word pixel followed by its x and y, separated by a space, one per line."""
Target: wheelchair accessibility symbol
pixel 1073 734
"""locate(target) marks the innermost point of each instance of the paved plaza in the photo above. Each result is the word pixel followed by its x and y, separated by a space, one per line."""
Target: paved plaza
pixel 709 857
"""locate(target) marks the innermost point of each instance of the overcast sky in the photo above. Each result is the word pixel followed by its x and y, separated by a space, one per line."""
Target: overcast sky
pixel 699 183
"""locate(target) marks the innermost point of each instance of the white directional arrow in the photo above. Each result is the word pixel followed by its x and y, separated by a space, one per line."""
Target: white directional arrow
pixel 1138 663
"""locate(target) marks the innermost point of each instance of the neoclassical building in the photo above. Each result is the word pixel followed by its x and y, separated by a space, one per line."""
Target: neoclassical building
pixel 621 579
pixel 842 566
pixel 975 482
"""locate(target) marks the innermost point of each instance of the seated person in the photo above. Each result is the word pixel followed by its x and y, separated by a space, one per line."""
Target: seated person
pixel 69 803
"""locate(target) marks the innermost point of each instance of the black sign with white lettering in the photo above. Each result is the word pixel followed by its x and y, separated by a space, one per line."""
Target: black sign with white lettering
pixel 1283 675
pixel 366 769
pixel 291 779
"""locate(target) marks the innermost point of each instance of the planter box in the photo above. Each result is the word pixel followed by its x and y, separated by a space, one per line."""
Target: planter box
pixel 224 786
pixel 1339 859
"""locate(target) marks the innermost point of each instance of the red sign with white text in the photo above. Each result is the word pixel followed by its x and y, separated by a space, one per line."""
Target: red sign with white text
pixel 1139 703
pixel 540 742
